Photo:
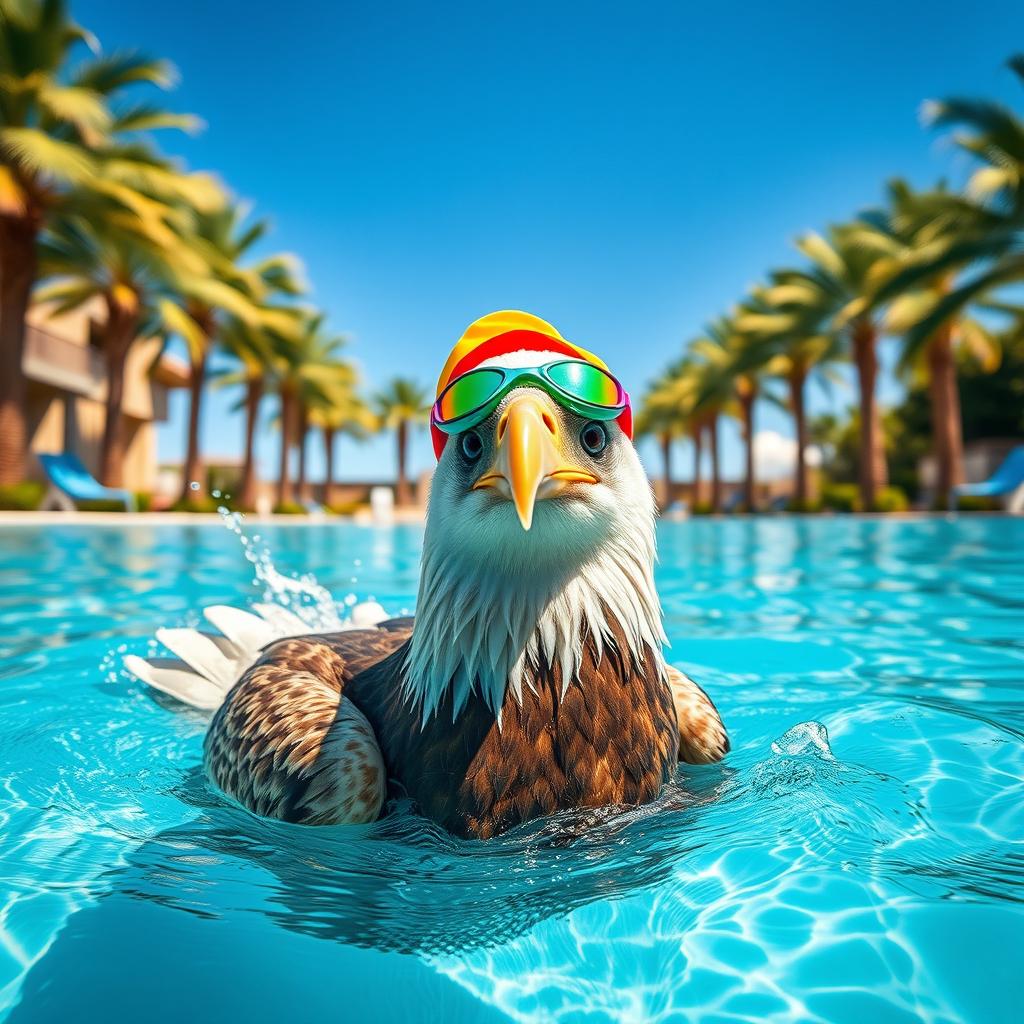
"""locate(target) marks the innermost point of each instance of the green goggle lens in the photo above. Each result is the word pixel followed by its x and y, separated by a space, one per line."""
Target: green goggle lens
pixel 581 387
pixel 469 393
pixel 587 383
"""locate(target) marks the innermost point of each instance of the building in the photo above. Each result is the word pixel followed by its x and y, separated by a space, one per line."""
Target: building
pixel 66 390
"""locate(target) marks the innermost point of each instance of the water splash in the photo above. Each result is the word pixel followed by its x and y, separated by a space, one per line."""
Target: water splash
pixel 805 738
pixel 301 595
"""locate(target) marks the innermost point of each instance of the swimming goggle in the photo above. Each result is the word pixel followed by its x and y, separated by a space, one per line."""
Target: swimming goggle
pixel 581 387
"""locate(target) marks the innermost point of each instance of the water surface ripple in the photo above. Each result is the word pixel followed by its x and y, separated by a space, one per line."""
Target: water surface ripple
pixel 858 856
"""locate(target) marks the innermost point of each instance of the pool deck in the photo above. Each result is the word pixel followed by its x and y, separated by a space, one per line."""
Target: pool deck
pixel 401 516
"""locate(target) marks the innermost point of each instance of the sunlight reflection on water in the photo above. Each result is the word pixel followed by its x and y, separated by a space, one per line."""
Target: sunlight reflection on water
pixel 872 677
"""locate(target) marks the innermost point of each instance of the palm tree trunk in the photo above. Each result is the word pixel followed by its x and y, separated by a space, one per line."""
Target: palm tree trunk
pixel 120 331
pixel 403 496
pixel 716 477
pixel 666 470
pixel 797 380
pixel 253 396
pixel 873 472
pixel 749 483
pixel 698 455
pixel 193 469
pixel 284 483
pixel 947 426
pixel 329 434
pixel 17 275
pixel 301 437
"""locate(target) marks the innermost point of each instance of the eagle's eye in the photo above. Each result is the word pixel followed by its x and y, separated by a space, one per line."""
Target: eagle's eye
pixel 594 438
pixel 470 445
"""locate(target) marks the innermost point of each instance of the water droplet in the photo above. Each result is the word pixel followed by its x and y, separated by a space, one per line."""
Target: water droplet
pixel 216 494
pixel 301 595
pixel 194 485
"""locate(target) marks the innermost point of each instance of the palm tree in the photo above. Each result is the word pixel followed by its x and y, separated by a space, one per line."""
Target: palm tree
pixel 665 413
pixel 93 258
pixel 403 403
pixel 984 230
pixel 712 389
pixel 343 412
pixel 734 363
pixel 222 238
pixel 56 130
pixel 308 365
pixel 922 226
pixel 792 347
pixel 252 348
pixel 837 290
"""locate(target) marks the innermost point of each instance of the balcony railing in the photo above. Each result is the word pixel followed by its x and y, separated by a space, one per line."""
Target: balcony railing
pixel 53 360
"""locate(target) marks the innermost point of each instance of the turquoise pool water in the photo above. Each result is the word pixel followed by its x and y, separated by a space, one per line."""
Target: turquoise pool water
pixel 857 858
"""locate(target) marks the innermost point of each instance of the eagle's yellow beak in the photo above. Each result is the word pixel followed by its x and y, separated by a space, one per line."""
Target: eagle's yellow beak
pixel 530 464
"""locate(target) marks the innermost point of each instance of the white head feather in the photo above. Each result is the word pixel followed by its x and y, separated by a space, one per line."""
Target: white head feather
pixel 495 600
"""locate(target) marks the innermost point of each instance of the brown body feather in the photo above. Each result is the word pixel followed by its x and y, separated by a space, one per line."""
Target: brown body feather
pixel 286 742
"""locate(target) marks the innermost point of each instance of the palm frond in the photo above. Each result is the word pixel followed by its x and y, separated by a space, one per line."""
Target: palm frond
pixel 1008 271
pixel 113 71
pixel 177 321
pixel 44 156
pixel 66 295
pixel 819 251
pixel 81 107
pixel 149 117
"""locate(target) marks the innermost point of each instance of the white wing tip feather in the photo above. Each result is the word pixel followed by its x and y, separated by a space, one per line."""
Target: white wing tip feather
pixel 207 666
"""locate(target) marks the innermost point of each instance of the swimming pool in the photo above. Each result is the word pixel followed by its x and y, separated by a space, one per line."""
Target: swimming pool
pixel 857 857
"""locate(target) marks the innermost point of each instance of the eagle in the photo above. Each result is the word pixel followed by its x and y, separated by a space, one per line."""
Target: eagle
pixel 533 677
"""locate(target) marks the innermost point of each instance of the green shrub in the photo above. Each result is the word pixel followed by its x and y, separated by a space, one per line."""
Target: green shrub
pixel 289 508
pixel 100 505
pixel 143 503
pixel 200 503
pixel 841 497
pixel 976 503
pixel 346 508
pixel 24 497
pixel 891 499
pixel 702 508
pixel 803 507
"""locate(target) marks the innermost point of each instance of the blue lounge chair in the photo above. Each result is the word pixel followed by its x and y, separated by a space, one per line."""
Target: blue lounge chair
pixel 1007 482
pixel 71 482
pixel 734 502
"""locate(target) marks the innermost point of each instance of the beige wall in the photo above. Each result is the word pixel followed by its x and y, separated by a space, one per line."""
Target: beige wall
pixel 61 384
pixel 48 410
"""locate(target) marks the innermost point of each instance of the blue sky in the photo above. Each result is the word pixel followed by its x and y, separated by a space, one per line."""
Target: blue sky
pixel 623 170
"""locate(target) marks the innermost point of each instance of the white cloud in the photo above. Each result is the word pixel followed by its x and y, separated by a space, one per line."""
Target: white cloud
pixel 775 455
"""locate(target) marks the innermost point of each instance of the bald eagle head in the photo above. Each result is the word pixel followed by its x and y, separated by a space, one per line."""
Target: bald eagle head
pixel 539 536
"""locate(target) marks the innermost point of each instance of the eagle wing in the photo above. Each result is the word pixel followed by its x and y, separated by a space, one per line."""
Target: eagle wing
pixel 287 743
pixel 702 736
pixel 285 740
